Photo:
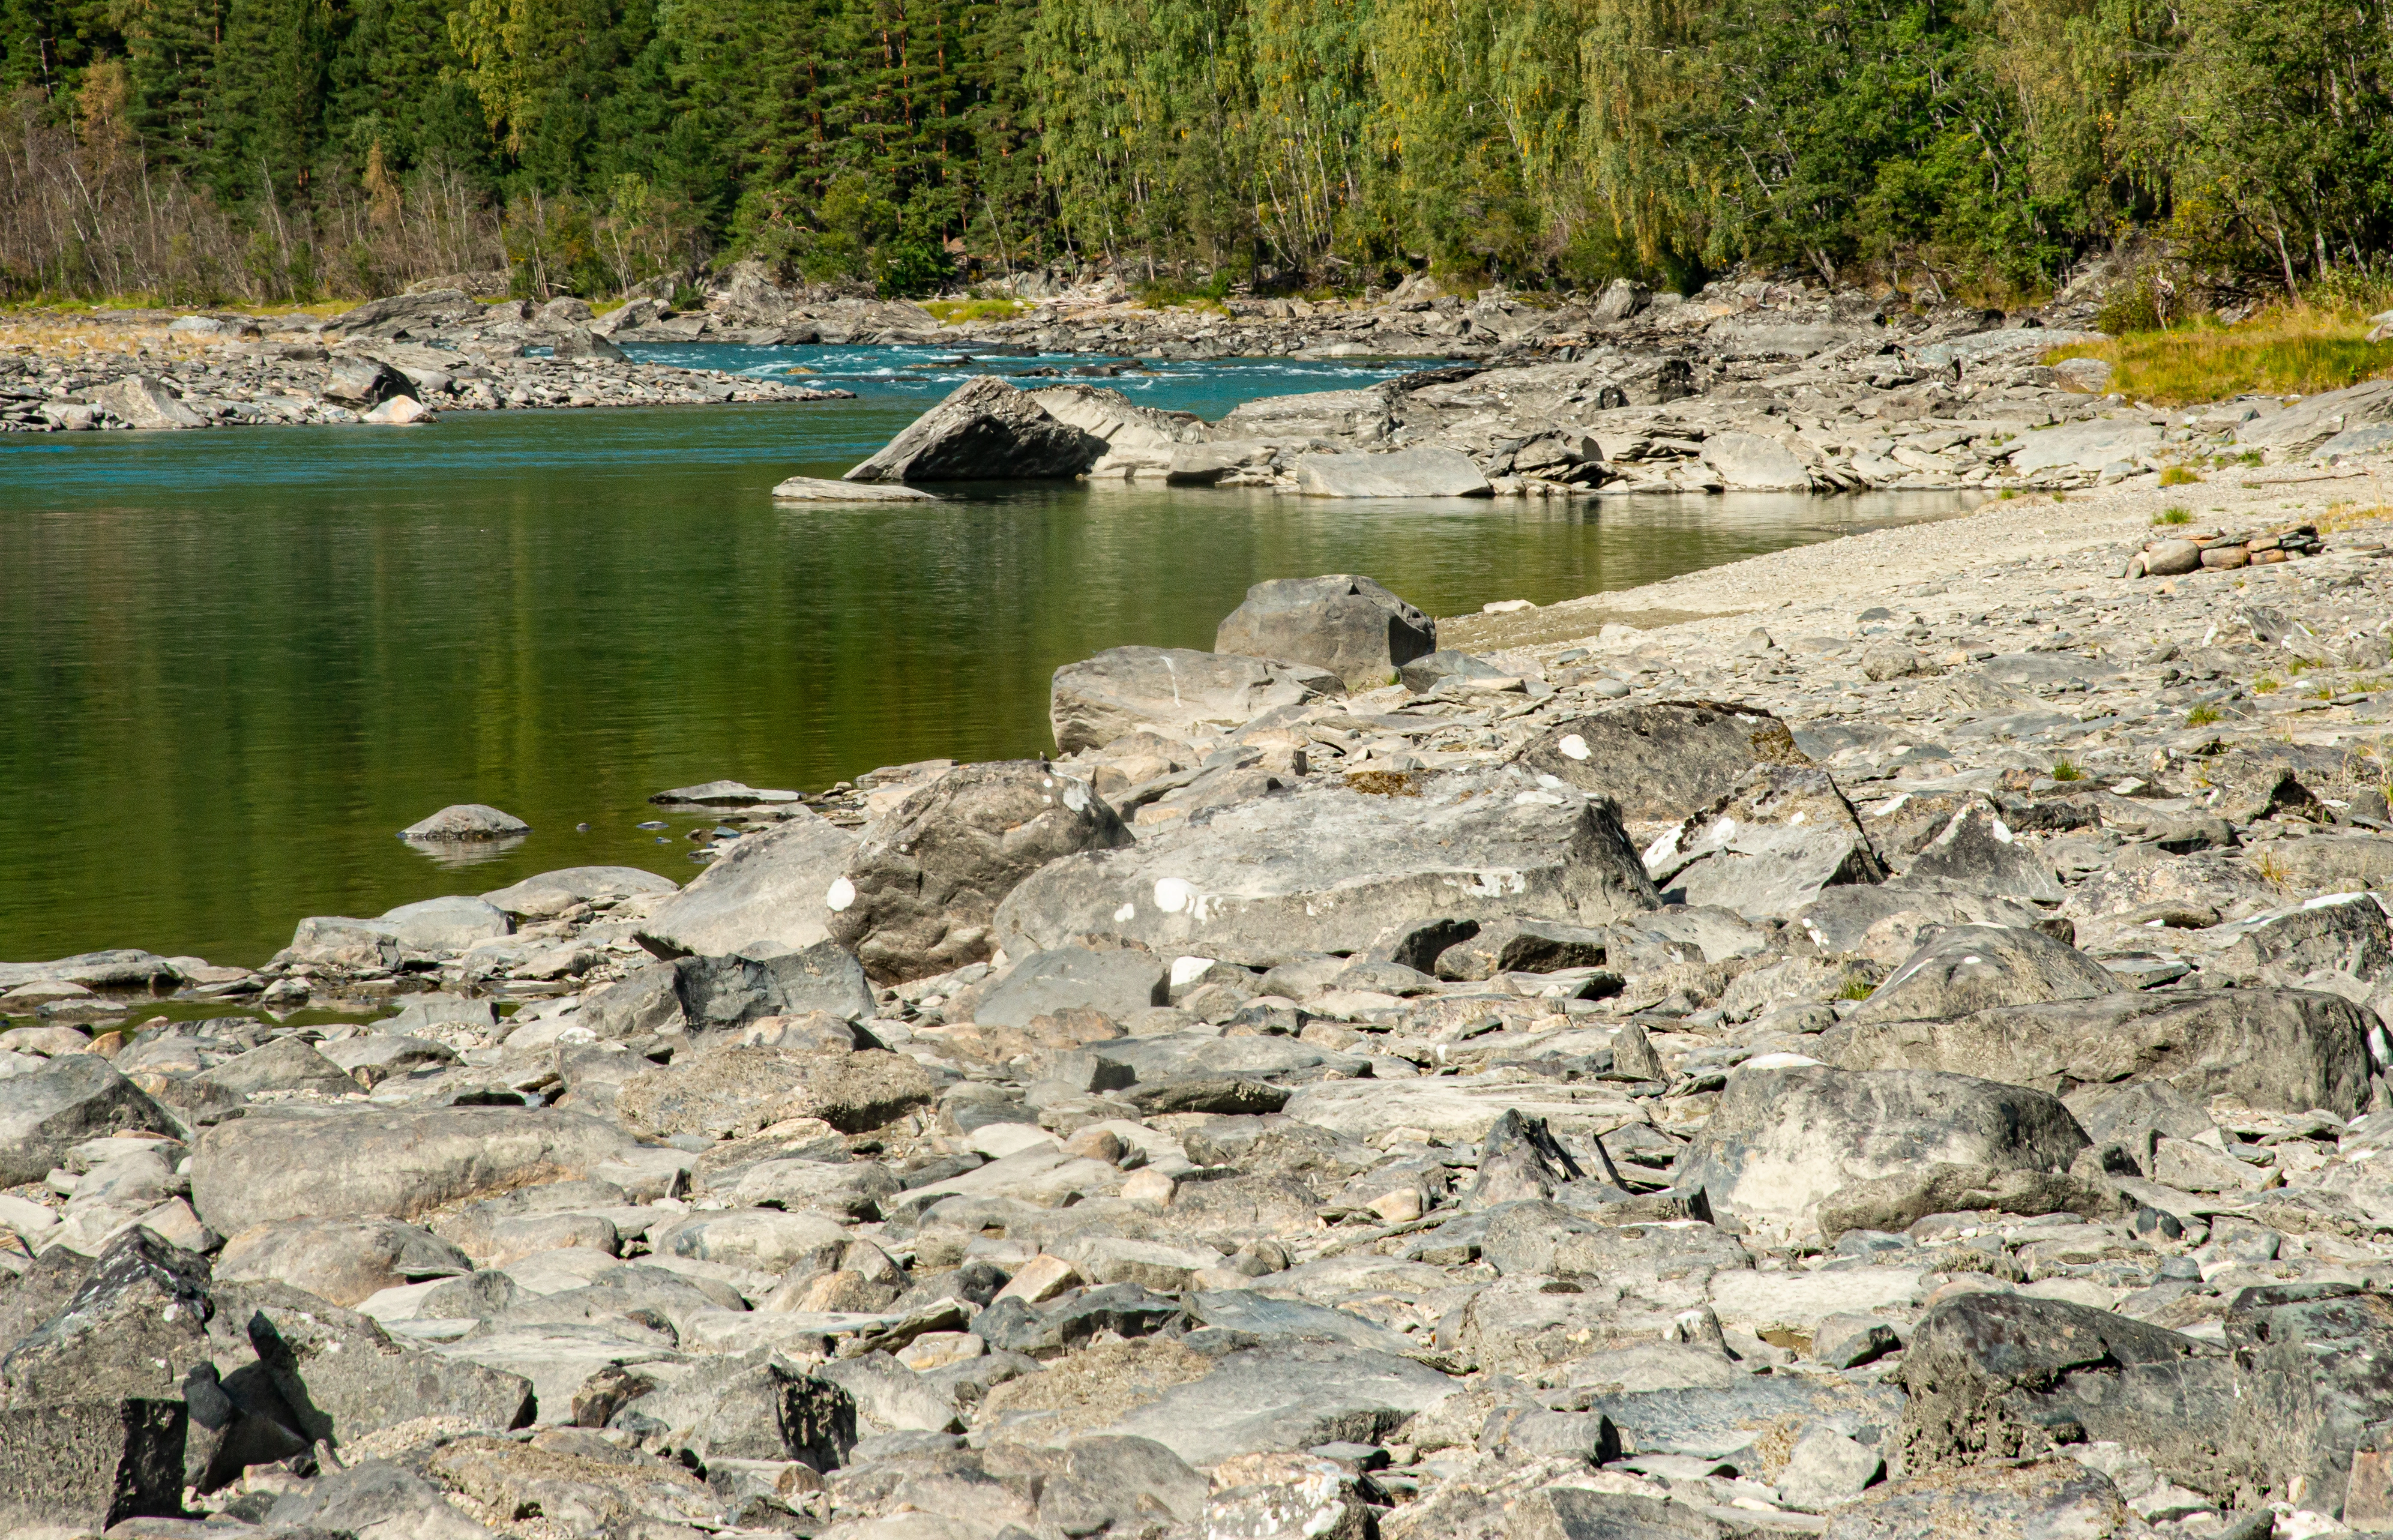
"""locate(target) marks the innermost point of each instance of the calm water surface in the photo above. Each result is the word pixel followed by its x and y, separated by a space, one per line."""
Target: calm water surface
pixel 233 664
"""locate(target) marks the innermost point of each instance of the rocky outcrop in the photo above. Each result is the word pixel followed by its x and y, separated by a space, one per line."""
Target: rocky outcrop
pixel 985 430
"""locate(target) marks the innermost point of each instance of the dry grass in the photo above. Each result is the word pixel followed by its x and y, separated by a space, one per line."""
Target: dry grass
pixel 2341 516
pixel 2288 350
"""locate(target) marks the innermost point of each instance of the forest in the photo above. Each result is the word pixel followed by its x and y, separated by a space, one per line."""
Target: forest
pixel 275 150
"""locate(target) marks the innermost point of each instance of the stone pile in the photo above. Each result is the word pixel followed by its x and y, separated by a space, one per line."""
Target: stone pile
pixel 2172 556
pixel 1905 1072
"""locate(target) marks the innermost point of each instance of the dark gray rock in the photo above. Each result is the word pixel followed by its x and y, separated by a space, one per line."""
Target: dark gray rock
pixel 133 1331
pixel 1521 947
pixel 985 430
pixel 723 994
pixel 67 1100
pixel 919 896
pixel 1977 853
pixel 1270 1319
pixel 2344 934
pixel 1896 1202
pixel 1520 1158
pixel 2317 1387
pixel 91 1464
pixel 1348 625
pixel 362 382
pixel 1119 984
pixel 1972 968
pixel 1443 666
pixel 2047 1498
pixel 1999 1377
pixel 1178 690
pixel 1784 1138
pixel 2286 1048
pixel 1562 1512
pixel 1328 869
pixel 1667 760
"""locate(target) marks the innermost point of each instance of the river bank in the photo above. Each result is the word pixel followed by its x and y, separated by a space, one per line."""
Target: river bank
pixel 1520 1085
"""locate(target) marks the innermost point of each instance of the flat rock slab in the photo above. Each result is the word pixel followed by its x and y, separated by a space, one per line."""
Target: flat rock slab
pixel 1287 1396
pixel 1404 473
pixel 769 888
pixel 1180 690
pixel 1458 1109
pixel 813 488
pixel 1328 869
pixel 290 1164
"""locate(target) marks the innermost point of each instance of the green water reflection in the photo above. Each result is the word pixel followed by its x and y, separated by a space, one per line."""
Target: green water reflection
pixel 233 664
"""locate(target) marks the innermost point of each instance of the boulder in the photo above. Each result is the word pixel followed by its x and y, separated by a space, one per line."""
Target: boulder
pixel 1995 1377
pixel 1403 473
pixel 1783 1137
pixel 345 1377
pixel 985 430
pixel 464 823
pixel 1669 760
pixel 2289 1050
pixel 2048 1497
pixel 769 889
pixel 1749 462
pixel 142 402
pixel 1286 1396
pixel 136 1327
pixel 398 1163
pixel 83 1467
pixel 1896 1203
pixel 1977 853
pixel 1119 984
pixel 2346 934
pixel 1139 440
pixel 338 941
pixel 1971 968
pixel 450 924
pixel 1182 692
pixel 64 1100
pixel 343 1260
pixel 1327 869
pixel 919 896
pixel 580 342
pixel 722 994
pixel 286 1063
pixel 552 893
pixel 1780 836
pixel 362 382
pixel 2087 446
pixel 1350 626
pixel 754 1406
pixel 2314 1394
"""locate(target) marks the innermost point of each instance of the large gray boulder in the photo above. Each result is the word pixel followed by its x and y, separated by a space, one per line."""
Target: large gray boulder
pixel 1404 473
pixel 2284 1048
pixel 67 1100
pixel 723 994
pixel 343 1260
pixel 1973 967
pixel 1788 1133
pixel 449 924
pixel 1180 690
pixel 919 897
pixel 770 889
pixel 552 893
pixel 1327 869
pixel 400 1162
pixel 1781 838
pixel 465 823
pixel 1348 625
pixel 1977 853
pixel 1671 758
pixel 142 402
pixel 345 1377
pixel 985 430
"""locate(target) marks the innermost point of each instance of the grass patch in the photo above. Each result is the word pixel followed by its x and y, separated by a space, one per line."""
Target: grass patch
pixel 2179 475
pixel 1164 294
pixel 2267 684
pixel 2062 770
pixel 952 312
pixel 1856 989
pixel 2173 515
pixel 2200 716
pixel 2289 350
pixel 2008 493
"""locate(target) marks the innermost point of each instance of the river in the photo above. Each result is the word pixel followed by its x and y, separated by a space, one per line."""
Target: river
pixel 233 664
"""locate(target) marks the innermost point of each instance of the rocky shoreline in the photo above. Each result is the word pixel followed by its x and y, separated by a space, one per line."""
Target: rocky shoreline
pixel 1885 1039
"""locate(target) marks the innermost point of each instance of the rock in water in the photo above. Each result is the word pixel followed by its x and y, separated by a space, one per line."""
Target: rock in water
pixel 1786 1135
pixel 466 821
pixel 1342 866
pixel 1748 462
pixel 1404 473
pixel 812 488
pixel 398 412
pixel 1178 689
pixel 918 898
pixel 985 430
pixel 1348 625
